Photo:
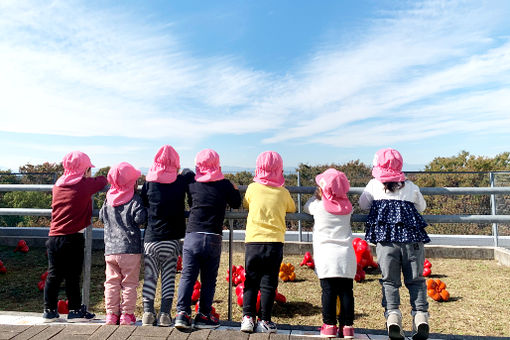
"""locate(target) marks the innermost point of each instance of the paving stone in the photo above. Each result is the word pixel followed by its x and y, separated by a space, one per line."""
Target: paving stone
pixel 30 332
pixel 179 335
pixel 149 331
pixel 80 329
pixel 122 333
pixel 259 336
pixel 199 335
pixel 10 331
pixel 103 332
pixel 49 332
pixel 228 335
pixel 281 335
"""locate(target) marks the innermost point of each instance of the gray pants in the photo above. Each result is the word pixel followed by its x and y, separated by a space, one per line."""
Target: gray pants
pixel 408 258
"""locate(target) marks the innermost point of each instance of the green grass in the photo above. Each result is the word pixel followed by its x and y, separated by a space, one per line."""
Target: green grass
pixel 479 305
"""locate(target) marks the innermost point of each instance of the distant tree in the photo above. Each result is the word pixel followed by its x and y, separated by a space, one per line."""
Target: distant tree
pixel 7 177
pixel 48 173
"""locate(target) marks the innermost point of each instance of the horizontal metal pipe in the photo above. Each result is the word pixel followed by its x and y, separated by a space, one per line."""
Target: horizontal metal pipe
pixel 310 190
pixel 240 215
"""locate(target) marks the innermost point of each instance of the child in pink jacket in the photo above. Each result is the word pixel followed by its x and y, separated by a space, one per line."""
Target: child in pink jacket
pixel 122 214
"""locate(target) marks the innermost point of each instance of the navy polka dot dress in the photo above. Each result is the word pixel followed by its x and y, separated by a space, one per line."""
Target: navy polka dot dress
pixel 395 221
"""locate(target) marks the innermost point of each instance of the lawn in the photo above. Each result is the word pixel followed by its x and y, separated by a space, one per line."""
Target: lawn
pixel 479 304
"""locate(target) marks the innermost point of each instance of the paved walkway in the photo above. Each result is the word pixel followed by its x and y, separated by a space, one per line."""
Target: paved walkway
pixel 20 326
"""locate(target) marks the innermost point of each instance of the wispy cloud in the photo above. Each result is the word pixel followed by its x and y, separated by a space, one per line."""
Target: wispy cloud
pixel 421 71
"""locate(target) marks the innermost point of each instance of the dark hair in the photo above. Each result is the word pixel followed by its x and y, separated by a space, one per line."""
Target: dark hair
pixel 393 186
pixel 317 193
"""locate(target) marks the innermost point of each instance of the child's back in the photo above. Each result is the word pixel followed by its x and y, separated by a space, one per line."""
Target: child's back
pixel 122 214
pixel 208 198
pixel 268 202
pixel 267 209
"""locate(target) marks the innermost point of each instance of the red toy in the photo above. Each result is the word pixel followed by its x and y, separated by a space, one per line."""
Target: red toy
pixel 196 292
pixel 427 268
pixel 63 307
pixel 3 270
pixel 238 275
pixel 363 254
pixel 42 283
pixel 22 247
pixel 308 261
pixel 360 273
pixel 179 263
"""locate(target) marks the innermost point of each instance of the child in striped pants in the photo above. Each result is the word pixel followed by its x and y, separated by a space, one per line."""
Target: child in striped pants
pixel 164 195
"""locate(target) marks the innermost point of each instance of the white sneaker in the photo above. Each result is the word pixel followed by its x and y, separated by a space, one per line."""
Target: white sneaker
pixel 149 319
pixel 421 326
pixel 247 324
pixel 164 320
pixel 264 326
pixel 394 325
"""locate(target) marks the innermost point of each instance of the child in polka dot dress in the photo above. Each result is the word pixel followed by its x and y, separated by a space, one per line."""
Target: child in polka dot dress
pixel 395 225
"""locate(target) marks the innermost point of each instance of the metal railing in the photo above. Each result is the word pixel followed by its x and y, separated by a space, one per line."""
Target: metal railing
pixel 299 216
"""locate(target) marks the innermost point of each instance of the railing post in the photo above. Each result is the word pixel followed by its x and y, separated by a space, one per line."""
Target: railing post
pixel 87 262
pixel 493 211
pixel 299 207
pixel 230 239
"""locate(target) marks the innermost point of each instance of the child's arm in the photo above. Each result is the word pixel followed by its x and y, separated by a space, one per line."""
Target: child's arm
pixel 366 198
pixel 234 196
pixel 139 213
pixel 144 196
pixel 419 201
pixel 306 208
pixel 291 206
pixel 246 198
pixel 95 184
pixel 101 212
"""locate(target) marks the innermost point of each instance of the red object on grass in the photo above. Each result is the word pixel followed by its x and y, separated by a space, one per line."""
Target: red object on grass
pixel 179 263
pixel 3 270
pixel 308 261
pixel 360 273
pixel 63 307
pixel 427 268
pixel 22 247
pixel 41 285
pixel 44 275
pixel 363 254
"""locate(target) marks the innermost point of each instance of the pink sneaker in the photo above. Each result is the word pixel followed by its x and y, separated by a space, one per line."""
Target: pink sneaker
pixel 348 332
pixel 328 331
pixel 112 319
pixel 127 319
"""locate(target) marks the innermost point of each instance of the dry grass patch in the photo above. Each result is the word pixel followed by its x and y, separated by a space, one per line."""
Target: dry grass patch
pixel 479 305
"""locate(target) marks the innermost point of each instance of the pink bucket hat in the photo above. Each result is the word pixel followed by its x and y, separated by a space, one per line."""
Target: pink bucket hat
pixel 122 178
pixel 388 166
pixel 75 164
pixel 334 185
pixel 207 166
pixel 165 167
pixel 269 169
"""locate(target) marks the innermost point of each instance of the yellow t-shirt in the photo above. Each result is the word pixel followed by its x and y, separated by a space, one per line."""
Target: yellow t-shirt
pixel 266 216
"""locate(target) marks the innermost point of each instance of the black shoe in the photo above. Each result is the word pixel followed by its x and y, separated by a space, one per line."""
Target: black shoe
pixel 182 320
pixel 50 315
pixel 203 321
pixel 80 315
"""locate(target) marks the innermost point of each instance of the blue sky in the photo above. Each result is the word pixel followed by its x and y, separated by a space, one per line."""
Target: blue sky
pixel 318 81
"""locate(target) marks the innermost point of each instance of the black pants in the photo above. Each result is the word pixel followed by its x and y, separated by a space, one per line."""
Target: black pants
pixel 65 261
pixel 262 264
pixel 331 289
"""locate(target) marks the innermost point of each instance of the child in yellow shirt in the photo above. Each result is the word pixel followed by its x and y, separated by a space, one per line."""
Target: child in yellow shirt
pixel 268 202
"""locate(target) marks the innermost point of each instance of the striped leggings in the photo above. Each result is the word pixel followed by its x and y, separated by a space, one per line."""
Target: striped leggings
pixel 160 257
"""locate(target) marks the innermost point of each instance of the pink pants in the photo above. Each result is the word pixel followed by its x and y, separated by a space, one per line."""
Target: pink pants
pixel 122 274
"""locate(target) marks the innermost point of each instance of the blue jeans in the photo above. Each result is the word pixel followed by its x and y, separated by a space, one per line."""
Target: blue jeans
pixel 407 258
pixel 201 252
